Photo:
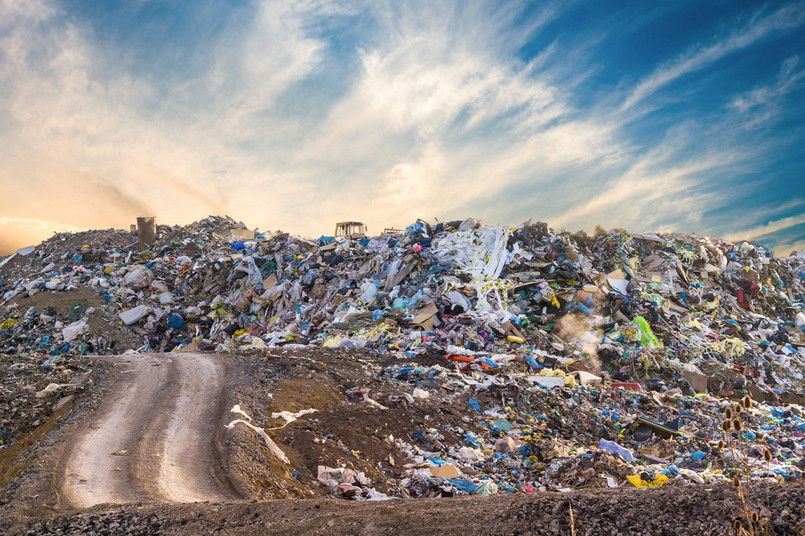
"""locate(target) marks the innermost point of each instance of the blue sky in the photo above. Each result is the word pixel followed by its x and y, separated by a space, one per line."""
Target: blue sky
pixel 649 116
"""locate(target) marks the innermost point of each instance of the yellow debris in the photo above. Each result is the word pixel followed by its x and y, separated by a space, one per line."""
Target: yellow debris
pixel 638 482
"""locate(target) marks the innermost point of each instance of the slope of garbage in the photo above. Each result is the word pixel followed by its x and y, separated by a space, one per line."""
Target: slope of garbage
pixel 489 359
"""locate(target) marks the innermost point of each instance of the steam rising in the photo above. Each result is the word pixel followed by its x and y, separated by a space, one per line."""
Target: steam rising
pixel 578 330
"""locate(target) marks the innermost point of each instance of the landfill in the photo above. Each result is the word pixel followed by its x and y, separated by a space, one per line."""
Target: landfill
pixel 570 361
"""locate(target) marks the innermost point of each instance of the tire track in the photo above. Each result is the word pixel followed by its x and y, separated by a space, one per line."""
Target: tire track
pixel 155 440
pixel 187 452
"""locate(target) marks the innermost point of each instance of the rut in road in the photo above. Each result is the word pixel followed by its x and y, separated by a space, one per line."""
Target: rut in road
pixel 154 441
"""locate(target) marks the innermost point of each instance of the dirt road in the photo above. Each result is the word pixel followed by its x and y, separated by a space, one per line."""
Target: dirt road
pixel 154 440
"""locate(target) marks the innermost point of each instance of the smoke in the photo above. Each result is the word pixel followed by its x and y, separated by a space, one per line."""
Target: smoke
pixel 576 329
pixel 110 195
pixel 217 203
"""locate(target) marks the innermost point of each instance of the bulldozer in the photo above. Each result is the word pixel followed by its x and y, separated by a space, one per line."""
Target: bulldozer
pixel 350 229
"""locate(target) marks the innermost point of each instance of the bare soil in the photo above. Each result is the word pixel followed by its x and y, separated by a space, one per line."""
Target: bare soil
pixel 155 440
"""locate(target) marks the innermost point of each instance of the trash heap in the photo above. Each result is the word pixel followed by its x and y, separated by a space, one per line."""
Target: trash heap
pixel 611 329
pixel 526 432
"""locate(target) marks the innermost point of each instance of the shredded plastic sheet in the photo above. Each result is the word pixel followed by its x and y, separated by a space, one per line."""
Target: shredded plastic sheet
pixel 733 347
pixel 236 409
pixel 9 323
pixel 138 277
pixel 74 330
pixel 248 266
pixel 647 337
pixel 344 477
pixel 51 389
pixel 481 254
pixel 614 448
pixel 363 394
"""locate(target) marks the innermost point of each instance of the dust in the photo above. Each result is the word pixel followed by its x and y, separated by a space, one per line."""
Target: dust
pixel 576 329
pixel 123 202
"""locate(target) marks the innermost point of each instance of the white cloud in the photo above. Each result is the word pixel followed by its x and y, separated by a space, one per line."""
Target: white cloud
pixel 274 54
pixel 433 83
pixel 89 140
pixel 655 187
pixel 785 248
pixel 436 94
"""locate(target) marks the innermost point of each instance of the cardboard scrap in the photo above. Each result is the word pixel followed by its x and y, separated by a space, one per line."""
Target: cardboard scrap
pixel 425 317
pixel 616 280
pixel 696 380
pixel 445 471
pixel 270 282
pixel 510 329
pixel 241 234
pixel 655 454
pixel 652 262
pixel 401 274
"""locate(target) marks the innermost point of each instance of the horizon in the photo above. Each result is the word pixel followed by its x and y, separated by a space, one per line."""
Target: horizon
pixel 373 234
pixel 679 117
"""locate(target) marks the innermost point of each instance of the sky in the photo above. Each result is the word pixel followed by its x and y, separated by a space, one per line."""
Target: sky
pixel 666 116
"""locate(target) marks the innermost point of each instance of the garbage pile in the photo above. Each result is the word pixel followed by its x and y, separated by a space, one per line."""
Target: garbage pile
pixel 33 390
pixel 640 336
pixel 521 433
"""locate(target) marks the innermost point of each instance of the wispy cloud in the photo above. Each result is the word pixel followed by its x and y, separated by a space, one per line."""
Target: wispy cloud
pixel 763 104
pixel 296 115
pixel 759 27
pixel 89 140
pixel 768 228
pixel 647 193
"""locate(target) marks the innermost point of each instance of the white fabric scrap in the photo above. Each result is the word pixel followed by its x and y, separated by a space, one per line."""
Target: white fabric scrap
pixel 236 409
pixel 272 447
pixel 291 417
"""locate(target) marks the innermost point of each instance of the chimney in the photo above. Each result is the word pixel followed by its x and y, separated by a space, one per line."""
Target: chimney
pixel 146 232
